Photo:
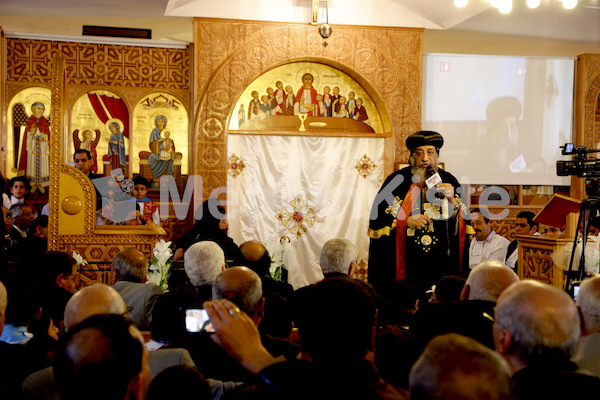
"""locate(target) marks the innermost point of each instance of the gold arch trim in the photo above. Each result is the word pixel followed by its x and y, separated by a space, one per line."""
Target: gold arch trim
pixel 230 55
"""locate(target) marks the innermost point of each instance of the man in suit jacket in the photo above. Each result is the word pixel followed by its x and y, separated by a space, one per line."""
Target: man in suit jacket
pixel 83 162
pixel 129 269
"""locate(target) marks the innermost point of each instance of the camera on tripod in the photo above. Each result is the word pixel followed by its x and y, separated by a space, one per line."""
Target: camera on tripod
pixel 582 166
pixel 587 167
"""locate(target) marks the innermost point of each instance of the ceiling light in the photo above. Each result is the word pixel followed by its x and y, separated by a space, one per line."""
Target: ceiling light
pixel 505 6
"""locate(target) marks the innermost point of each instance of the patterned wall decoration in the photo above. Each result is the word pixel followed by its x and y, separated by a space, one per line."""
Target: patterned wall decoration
pixel 98 64
pixel 229 55
pixel 587 91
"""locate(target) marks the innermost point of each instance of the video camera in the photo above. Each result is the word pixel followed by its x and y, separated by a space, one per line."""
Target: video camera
pixel 581 165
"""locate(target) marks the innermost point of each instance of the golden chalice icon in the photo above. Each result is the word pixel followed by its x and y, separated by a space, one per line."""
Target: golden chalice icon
pixel 302 116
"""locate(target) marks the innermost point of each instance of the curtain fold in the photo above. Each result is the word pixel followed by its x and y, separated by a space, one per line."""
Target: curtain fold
pixel 116 108
pixel 310 189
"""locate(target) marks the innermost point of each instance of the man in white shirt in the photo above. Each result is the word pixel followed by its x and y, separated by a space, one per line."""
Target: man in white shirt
pixel 486 244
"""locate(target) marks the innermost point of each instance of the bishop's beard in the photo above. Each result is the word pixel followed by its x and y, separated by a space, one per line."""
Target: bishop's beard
pixel 421 170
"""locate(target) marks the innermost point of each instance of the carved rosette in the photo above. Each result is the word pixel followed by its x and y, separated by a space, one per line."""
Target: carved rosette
pixel 229 55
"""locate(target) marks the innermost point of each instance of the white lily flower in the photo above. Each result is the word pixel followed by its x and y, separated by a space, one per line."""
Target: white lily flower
pixel 162 258
pixel 79 260
pixel 162 247
pixel 159 269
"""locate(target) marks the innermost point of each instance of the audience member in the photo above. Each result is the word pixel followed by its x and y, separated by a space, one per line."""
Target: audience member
pixel 203 262
pixel 37 236
pixel 457 367
pixel 594 226
pixel 524 225
pixel 83 162
pixel 486 244
pixel 23 216
pixel 242 287
pixel 277 320
pixel 19 187
pixel 23 349
pixel 89 301
pixel 472 316
pixel 212 226
pixel 338 257
pixel 9 248
pixel 105 349
pixel 129 269
pixel 179 383
pixel 56 275
pixel 487 281
pixel 336 320
pixel 394 339
pixel 587 352
pixel 149 209
pixel 448 288
pixel 536 330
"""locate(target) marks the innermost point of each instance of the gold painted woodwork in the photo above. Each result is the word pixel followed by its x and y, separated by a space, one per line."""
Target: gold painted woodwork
pixel 229 55
pixel 535 260
pixel 77 232
pixel 131 72
pixel 29 61
pixel 3 127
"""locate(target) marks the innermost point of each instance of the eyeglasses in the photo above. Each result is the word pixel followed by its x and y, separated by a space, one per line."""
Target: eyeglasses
pixel 430 153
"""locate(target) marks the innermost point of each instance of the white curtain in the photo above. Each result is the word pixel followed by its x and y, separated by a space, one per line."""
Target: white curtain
pixel 317 175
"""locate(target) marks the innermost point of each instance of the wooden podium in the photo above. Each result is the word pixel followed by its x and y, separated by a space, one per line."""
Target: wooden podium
pixel 535 261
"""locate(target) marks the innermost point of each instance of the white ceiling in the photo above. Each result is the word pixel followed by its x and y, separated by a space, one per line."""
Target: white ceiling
pixel 171 19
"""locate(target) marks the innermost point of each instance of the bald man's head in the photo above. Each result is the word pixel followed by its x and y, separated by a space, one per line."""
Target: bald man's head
pixel 107 348
pixel 488 280
pixel 256 257
pixel 130 264
pixel 543 320
pixel 241 286
pixel 252 250
pixel 93 300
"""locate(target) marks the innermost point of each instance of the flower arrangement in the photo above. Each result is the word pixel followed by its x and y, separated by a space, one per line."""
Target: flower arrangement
pixel 160 265
pixel 79 260
pixel 275 256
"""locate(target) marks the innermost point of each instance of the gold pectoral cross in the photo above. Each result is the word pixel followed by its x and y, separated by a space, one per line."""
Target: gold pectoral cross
pixel 432 211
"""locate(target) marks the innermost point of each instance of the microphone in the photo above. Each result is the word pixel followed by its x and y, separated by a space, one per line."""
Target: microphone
pixel 429 172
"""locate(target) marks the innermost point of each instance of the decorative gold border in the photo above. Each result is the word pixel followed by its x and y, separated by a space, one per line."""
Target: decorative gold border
pixel 57 89
pixel 230 54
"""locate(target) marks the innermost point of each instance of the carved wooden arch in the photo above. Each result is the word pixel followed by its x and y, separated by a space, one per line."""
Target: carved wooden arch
pixel 231 54
pixel 591 132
